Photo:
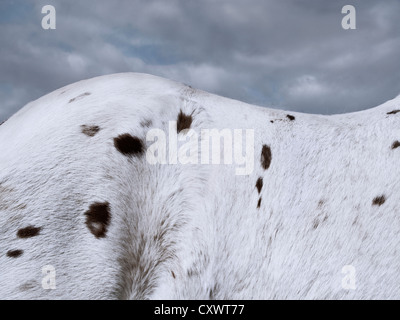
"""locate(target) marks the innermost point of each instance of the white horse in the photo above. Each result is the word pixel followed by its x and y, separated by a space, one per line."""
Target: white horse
pixel 93 206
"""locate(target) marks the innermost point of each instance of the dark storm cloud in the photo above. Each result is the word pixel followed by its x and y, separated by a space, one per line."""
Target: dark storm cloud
pixel 287 54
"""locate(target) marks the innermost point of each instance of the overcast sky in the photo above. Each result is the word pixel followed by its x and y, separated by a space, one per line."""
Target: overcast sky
pixel 291 54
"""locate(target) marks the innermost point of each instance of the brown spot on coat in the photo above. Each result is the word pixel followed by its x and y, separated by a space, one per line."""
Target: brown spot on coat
pixel 259 203
pixel 21 206
pixel 14 253
pixel 290 117
pixel 395 144
pixel 80 97
pixel 90 131
pixel 28 232
pixel 128 145
pixel 378 201
pixel 393 112
pixel 259 184
pixel 173 274
pixel 213 291
pixel 146 123
pixel 98 218
pixel 184 121
pixel 29 285
pixel 266 157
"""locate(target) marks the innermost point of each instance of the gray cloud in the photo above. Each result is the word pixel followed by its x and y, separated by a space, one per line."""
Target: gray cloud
pixel 286 54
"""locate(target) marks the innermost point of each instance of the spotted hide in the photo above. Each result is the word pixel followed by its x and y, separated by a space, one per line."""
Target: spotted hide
pixel 316 217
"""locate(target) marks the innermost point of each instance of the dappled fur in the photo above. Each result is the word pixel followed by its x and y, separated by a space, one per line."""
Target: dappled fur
pixel 77 193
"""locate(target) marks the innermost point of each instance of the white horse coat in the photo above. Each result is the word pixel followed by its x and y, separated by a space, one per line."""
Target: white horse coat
pixel 85 215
